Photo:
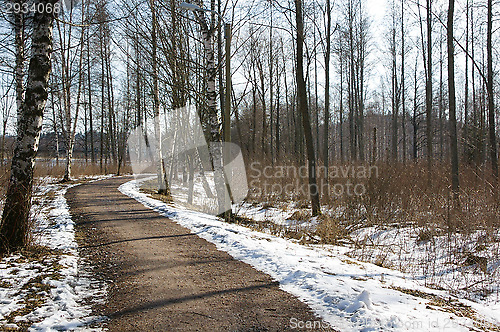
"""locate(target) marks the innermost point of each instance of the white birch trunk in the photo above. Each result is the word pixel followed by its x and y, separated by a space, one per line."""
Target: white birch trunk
pixel 19 71
pixel 14 232
pixel 212 118
pixel 72 122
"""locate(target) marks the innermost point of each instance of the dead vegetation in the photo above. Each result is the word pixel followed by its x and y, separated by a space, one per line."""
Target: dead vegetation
pixel 36 290
pixel 154 194
pixel 401 199
pixel 451 305
pixel 396 196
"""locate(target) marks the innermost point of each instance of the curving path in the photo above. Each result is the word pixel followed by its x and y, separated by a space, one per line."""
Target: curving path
pixel 164 278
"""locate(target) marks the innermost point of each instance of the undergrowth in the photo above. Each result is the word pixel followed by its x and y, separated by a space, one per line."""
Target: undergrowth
pixel 405 220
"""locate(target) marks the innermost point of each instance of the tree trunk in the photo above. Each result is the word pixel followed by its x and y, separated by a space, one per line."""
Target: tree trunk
pixel 14 232
pixel 491 104
pixel 212 118
pixel 316 110
pixel 452 101
pixel 112 133
pixel 4 129
pixel 466 141
pixel 71 130
pixel 341 110
pixel 395 93
pixel 403 79
pixel 89 75
pixel 20 53
pixel 101 129
pixel 441 106
pixel 162 181
pixel 54 127
pixel 277 130
pixel 326 133
pixel 360 69
pixel 428 93
pixel 271 88
pixel 303 108
pixel 415 112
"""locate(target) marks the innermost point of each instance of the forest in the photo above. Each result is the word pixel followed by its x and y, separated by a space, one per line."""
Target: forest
pixel 355 115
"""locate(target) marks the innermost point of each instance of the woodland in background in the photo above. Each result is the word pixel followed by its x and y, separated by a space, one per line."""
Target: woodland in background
pixel 313 82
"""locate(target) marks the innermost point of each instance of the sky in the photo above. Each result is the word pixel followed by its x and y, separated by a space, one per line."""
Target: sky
pixel 377 11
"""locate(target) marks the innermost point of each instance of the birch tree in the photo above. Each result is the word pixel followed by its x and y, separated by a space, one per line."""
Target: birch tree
pixel 19 31
pixel 304 110
pixel 14 232
pixel 211 117
pixel 162 184
pixel 70 120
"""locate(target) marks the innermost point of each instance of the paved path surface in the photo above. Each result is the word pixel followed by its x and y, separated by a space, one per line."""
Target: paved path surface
pixel 164 278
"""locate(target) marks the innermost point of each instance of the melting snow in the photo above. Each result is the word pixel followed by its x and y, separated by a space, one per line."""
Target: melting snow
pixel 64 306
pixel 347 294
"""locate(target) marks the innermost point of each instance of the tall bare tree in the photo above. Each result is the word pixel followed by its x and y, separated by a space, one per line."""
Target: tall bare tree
pixel 20 41
pixel 428 90
pixel 14 231
pixel 491 97
pixel 452 102
pixel 67 53
pixel 326 134
pixel 211 117
pixel 395 87
pixel 162 184
pixel 304 111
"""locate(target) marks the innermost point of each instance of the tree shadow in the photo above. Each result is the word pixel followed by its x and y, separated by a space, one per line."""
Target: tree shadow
pixel 138 239
pixel 167 302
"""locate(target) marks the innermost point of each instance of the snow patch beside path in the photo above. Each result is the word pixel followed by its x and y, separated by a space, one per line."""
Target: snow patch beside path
pixel 65 303
pixel 347 294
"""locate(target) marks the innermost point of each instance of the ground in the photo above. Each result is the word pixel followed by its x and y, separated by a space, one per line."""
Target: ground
pixel 163 276
pixel 143 264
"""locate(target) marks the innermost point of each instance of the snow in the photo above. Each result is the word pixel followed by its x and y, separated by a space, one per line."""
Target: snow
pixel 347 294
pixel 437 260
pixel 67 291
pixel 284 215
pixel 180 190
pixel 362 301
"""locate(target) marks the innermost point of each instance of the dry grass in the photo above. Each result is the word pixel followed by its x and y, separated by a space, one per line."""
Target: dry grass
pixel 404 197
pixel 50 168
pixel 330 230
pixel 450 305
pixel 401 195
pixel 78 169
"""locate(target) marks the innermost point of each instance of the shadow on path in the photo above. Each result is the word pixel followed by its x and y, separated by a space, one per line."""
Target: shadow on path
pixel 160 276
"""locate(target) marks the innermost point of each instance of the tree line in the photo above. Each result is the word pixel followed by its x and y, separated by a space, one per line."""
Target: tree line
pixel 314 82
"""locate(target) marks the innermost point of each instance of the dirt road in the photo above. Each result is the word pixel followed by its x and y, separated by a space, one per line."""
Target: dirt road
pixel 164 278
